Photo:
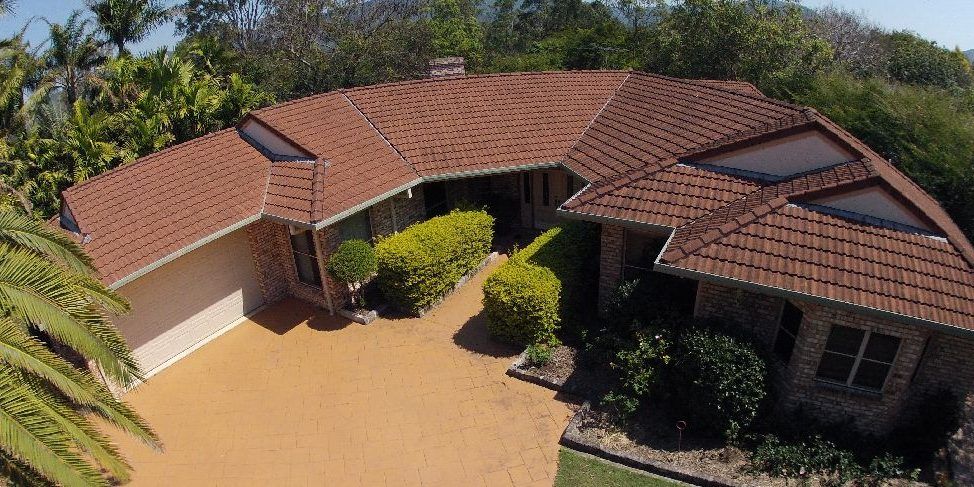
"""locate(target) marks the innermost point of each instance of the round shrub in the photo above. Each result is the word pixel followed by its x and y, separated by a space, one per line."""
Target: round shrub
pixel 521 303
pixel 352 263
pixel 718 380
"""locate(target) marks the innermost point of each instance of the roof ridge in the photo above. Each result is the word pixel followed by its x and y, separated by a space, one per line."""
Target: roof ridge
pixel 597 115
pixel 742 211
pixel 381 134
pixel 763 97
pixel 445 79
pixel 318 190
pixel 152 156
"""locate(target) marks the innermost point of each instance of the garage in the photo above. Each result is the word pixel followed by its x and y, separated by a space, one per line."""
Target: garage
pixel 178 306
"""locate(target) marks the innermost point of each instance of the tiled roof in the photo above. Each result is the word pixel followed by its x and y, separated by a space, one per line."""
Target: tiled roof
pixel 770 238
pixel 162 203
pixel 637 138
pixel 487 122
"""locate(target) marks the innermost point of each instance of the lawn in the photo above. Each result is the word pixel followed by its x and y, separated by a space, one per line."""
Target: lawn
pixel 576 470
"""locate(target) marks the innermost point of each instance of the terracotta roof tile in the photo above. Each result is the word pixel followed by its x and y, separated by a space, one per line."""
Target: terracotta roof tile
pixel 140 213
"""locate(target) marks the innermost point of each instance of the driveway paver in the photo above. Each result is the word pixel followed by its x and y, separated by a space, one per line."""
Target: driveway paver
pixel 297 397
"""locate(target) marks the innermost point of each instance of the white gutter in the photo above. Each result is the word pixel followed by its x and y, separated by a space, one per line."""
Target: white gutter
pixel 183 251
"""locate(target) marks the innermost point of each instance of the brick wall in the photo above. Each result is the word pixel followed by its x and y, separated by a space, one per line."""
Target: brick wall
pixel 398 212
pixel 948 363
pixel 610 260
pixel 758 314
pixel 874 412
pixel 268 261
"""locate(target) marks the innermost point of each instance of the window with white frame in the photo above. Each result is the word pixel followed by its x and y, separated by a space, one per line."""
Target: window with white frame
pixel 305 257
pixel 858 358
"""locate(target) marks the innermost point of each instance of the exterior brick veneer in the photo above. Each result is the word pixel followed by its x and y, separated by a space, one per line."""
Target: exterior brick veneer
pixel 758 314
pixel 610 260
pixel 396 213
pixel 268 261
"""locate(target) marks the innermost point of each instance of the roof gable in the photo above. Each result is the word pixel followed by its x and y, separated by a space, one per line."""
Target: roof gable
pixel 785 155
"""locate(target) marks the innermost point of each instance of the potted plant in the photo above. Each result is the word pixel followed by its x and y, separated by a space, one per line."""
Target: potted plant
pixel 353 264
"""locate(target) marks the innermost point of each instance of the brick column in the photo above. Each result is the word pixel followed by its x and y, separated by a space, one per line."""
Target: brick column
pixel 610 260
pixel 268 260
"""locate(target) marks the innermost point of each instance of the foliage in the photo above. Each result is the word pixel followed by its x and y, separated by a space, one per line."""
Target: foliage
pixel 53 310
pixel 539 354
pixel 927 428
pixel 547 283
pixel 761 41
pixel 639 368
pixel 719 381
pixel 353 263
pixel 456 32
pixel 127 21
pixel 521 303
pixel 570 251
pixel 817 457
pixel 919 61
pixel 421 264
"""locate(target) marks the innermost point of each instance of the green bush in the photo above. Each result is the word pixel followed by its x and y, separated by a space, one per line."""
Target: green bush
pixel 539 354
pixel 546 283
pixel 638 368
pixel 817 457
pixel 521 303
pixel 421 264
pixel 353 263
pixel 720 381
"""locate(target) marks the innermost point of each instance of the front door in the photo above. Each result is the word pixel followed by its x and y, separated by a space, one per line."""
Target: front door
pixel 549 190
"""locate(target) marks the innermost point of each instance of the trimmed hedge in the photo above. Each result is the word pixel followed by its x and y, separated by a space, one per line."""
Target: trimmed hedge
pixel 542 285
pixel 420 265
pixel 521 303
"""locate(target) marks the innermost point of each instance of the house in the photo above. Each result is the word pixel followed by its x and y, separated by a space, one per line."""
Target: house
pixel 776 218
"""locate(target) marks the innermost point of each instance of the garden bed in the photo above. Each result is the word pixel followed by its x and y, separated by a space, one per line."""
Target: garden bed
pixel 561 373
pixel 650 444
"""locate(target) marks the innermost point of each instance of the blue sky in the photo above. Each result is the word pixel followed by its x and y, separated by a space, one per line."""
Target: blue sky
pixel 949 22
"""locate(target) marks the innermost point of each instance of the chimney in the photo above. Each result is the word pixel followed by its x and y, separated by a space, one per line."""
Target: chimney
pixel 447 66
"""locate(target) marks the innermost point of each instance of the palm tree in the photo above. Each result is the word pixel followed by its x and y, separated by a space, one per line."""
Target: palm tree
pixel 51 308
pixel 72 59
pixel 7 7
pixel 86 141
pixel 125 21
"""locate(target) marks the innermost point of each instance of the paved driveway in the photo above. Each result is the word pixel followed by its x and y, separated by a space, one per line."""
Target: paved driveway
pixel 296 397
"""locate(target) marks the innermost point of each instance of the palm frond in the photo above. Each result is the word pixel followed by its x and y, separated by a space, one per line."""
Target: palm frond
pixel 31 234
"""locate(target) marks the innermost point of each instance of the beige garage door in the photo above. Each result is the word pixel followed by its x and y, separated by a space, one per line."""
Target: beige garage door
pixel 182 303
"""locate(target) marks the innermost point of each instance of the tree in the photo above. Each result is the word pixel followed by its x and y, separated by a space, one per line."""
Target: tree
pixel 456 31
pixel 54 309
pixel 761 41
pixel 857 44
pixel 72 58
pixel 87 144
pixel 236 22
pixel 919 61
pixel 126 21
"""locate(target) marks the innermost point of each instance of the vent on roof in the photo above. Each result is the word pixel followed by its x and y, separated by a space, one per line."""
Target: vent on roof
pixel 447 66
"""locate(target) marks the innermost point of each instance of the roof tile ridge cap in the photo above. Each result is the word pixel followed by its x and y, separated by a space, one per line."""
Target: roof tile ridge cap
pixel 147 157
pixel 769 200
pixel 292 102
pixel 761 97
pixel 318 190
pixel 481 76
pixel 385 139
pixel 598 113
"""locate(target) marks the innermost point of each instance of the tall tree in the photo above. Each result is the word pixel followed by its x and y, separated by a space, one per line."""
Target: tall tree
pixel 52 307
pixel 127 21
pixel 72 58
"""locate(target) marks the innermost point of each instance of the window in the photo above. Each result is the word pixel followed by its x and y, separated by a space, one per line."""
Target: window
pixel 357 227
pixel 434 197
pixel 526 183
pixel 858 358
pixel 305 257
pixel 641 250
pixel 545 190
pixel 784 343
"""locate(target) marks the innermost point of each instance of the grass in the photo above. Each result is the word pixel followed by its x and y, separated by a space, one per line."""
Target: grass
pixel 575 470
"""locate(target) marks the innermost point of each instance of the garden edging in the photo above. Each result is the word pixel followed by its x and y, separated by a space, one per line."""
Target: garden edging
pixel 572 439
